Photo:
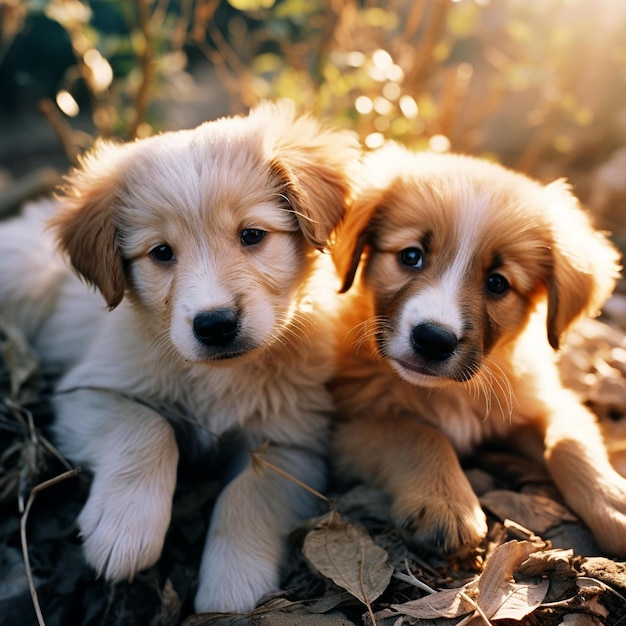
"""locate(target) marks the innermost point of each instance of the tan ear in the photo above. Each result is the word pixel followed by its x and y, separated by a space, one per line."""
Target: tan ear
pixel 585 264
pixel 85 221
pixel 317 165
pixel 351 239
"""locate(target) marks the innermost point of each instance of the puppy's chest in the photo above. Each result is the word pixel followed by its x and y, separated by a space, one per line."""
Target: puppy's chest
pixel 259 398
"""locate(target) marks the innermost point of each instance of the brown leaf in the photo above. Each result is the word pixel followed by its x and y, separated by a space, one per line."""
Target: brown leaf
pixel 605 570
pixel 535 512
pixel 446 603
pixel 499 596
pixel 347 555
pixel 538 563
pixel 21 362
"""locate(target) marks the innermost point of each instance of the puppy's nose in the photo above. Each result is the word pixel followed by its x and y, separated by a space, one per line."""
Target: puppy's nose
pixel 216 328
pixel 433 342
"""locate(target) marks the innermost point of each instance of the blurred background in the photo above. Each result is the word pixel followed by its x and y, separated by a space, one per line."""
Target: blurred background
pixel 539 85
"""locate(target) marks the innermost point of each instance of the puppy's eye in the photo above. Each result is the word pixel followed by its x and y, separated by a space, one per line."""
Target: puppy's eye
pixel 162 254
pixel 252 236
pixel 412 257
pixel 497 285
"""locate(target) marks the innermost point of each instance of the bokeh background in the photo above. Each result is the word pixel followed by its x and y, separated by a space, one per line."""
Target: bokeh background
pixel 539 85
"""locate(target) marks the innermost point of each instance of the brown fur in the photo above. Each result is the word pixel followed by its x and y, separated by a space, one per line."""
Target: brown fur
pixel 402 408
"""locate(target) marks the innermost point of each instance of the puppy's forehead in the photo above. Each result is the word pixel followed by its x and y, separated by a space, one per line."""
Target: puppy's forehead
pixel 455 206
pixel 194 173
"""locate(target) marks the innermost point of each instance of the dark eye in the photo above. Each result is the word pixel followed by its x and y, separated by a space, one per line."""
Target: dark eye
pixel 162 254
pixel 497 284
pixel 252 236
pixel 411 257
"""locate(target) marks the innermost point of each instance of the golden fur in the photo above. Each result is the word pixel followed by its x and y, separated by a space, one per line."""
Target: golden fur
pixel 468 275
pixel 205 245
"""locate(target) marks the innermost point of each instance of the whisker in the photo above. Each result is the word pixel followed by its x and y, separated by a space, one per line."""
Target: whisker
pixel 368 332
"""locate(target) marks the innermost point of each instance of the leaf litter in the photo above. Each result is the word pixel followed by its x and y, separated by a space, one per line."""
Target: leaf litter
pixel 539 565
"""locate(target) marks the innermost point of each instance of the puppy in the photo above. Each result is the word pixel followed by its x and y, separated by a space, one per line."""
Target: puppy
pixel 469 276
pixel 204 244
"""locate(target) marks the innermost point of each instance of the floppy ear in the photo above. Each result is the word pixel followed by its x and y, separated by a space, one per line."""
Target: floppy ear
pixel 316 165
pixel 352 237
pixel 585 264
pixel 85 224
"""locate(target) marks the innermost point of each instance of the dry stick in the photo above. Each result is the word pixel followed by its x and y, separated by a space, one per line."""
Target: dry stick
pixel 146 61
pixel 61 128
pixel 23 540
pixel 423 54
pixel 257 458
pixel 411 579
pixel 478 610
pixel 368 604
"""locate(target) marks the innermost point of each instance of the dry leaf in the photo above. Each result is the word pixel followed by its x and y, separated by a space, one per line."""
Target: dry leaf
pixel 579 619
pixel 544 561
pixel 591 590
pixel 446 603
pixel 347 555
pixel 535 512
pixel 499 596
pixel 21 362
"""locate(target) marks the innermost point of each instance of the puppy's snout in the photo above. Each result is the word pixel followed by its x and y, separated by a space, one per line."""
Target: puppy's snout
pixel 433 342
pixel 217 328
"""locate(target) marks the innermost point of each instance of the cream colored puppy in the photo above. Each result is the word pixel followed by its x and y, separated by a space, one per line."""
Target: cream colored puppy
pixel 470 274
pixel 205 245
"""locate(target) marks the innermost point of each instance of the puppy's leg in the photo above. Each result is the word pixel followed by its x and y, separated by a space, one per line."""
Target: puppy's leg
pixel 433 502
pixel 579 464
pixel 251 519
pixel 133 454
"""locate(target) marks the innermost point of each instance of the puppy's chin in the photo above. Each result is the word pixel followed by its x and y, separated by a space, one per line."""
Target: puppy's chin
pixel 418 376
pixel 220 357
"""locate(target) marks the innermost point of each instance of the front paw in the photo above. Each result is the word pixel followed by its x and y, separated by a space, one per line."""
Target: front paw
pixel 232 579
pixel 123 525
pixel 448 526
pixel 605 514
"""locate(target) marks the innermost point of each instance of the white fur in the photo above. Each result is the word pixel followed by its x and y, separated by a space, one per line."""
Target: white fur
pixel 126 369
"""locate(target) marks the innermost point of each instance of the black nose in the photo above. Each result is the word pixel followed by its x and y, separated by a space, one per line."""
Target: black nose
pixel 433 342
pixel 216 328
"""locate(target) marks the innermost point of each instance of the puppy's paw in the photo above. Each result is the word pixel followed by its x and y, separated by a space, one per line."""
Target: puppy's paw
pixel 605 514
pixel 233 578
pixel 448 526
pixel 123 525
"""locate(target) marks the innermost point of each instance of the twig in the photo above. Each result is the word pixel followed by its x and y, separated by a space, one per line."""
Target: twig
pixel 146 61
pixel 478 610
pixel 23 539
pixel 257 458
pixel 61 128
pixel 411 579
pixel 366 599
pixel 423 54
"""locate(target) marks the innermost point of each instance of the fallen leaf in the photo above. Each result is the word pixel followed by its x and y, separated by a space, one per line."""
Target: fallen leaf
pixel 579 619
pixel 543 561
pixel 347 555
pixel 535 512
pixel 606 571
pixel 499 596
pixel 20 360
pixel 446 603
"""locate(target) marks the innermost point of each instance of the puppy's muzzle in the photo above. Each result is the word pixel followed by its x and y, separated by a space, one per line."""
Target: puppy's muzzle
pixel 217 328
pixel 432 342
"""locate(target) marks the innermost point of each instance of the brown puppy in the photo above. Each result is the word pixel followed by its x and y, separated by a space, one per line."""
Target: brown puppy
pixel 470 275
